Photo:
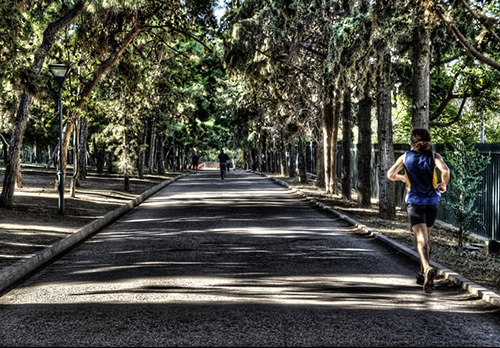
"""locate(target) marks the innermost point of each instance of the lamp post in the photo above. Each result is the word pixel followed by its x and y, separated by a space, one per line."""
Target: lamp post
pixel 60 71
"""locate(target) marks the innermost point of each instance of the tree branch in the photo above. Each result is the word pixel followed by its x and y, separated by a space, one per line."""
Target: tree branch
pixel 106 65
pixel 449 22
pixel 438 124
pixel 444 61
pixel 188 34
pixel 173 49
pixel 482 19
pixel 4 140
pixel 445 102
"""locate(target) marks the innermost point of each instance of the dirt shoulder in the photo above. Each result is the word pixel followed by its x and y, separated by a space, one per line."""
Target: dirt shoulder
pixel 476 266
pixel 35 223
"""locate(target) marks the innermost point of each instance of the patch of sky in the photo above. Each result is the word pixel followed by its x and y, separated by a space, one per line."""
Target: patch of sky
pixel 219 11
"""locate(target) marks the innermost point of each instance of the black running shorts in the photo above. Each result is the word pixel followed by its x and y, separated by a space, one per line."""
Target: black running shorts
pixel 422 214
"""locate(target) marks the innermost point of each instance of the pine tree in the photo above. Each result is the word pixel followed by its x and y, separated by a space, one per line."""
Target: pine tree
pixel 466 166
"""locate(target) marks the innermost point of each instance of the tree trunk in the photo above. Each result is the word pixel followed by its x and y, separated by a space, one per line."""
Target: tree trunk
pixel 275 158
pixel 181 162
pixel 76 149
pixel 183 158
pixel 23 154
pixel 254 163
pixel 460 235
pixel 265 166
pixel 328 142
pixel 38 151
pixel 52 157
pixel 142 153
pixel 364 149
pixel 110 162
pixel 177 157
pixel 271 159
pixel 284 166
pixel 421 75
pixel 387 197
pixel 19 179
pixel 270 155
pixel 331 116
pixel 278 156
pixel 82 158
pixel 100 155
pixel 245 159
pixel 89 156
pixel 335 132
pixel 159 156
pixel 152 149
pixel 259 155
pixel 346 145
pixel 302 160
pixel 293 159
pixel 5 153
pixel 320 163
pixel 45 154
pixel 126 169
pixel 32 152
pixel 13 164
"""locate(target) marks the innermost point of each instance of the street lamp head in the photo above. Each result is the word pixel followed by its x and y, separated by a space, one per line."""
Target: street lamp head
pixel 59 71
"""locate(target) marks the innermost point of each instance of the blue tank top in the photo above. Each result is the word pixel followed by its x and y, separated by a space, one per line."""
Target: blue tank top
pixel 421 178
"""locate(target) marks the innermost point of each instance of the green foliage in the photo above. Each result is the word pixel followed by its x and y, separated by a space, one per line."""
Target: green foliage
pixel 347 51
pixel 492 127
pixel 16 35
pixel 276 52
pixel 466 164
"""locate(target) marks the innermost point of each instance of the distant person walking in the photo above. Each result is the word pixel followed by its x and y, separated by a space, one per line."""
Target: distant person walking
pixel 223 158
pixel 423 196
pixel 195 161
pixel 234 163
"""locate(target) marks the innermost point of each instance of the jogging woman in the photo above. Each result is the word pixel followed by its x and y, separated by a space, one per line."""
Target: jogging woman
pixel 423 196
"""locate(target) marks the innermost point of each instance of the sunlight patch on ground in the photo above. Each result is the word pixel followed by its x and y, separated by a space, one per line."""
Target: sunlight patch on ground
pixel 338 291
pixel 24 244
pixel 105 196
pixel 46 228
pixel 22 256
pixel 298 231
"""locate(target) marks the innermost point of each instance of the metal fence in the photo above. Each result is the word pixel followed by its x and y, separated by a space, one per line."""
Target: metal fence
pixel 488 203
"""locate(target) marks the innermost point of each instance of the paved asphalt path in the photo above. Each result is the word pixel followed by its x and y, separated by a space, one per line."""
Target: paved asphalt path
pixel 237 262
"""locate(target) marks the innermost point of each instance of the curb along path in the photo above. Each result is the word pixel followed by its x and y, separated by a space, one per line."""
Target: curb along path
pixel 466 284
pixel 10 275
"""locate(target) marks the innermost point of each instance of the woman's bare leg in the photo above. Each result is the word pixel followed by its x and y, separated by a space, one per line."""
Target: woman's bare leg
pixel 422 234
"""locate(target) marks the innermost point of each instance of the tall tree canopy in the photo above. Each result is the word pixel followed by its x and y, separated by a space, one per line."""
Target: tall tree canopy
pixel 271 75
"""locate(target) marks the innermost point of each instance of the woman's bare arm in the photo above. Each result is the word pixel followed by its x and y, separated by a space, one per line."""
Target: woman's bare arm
pixel 445 172
pixel 392 173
